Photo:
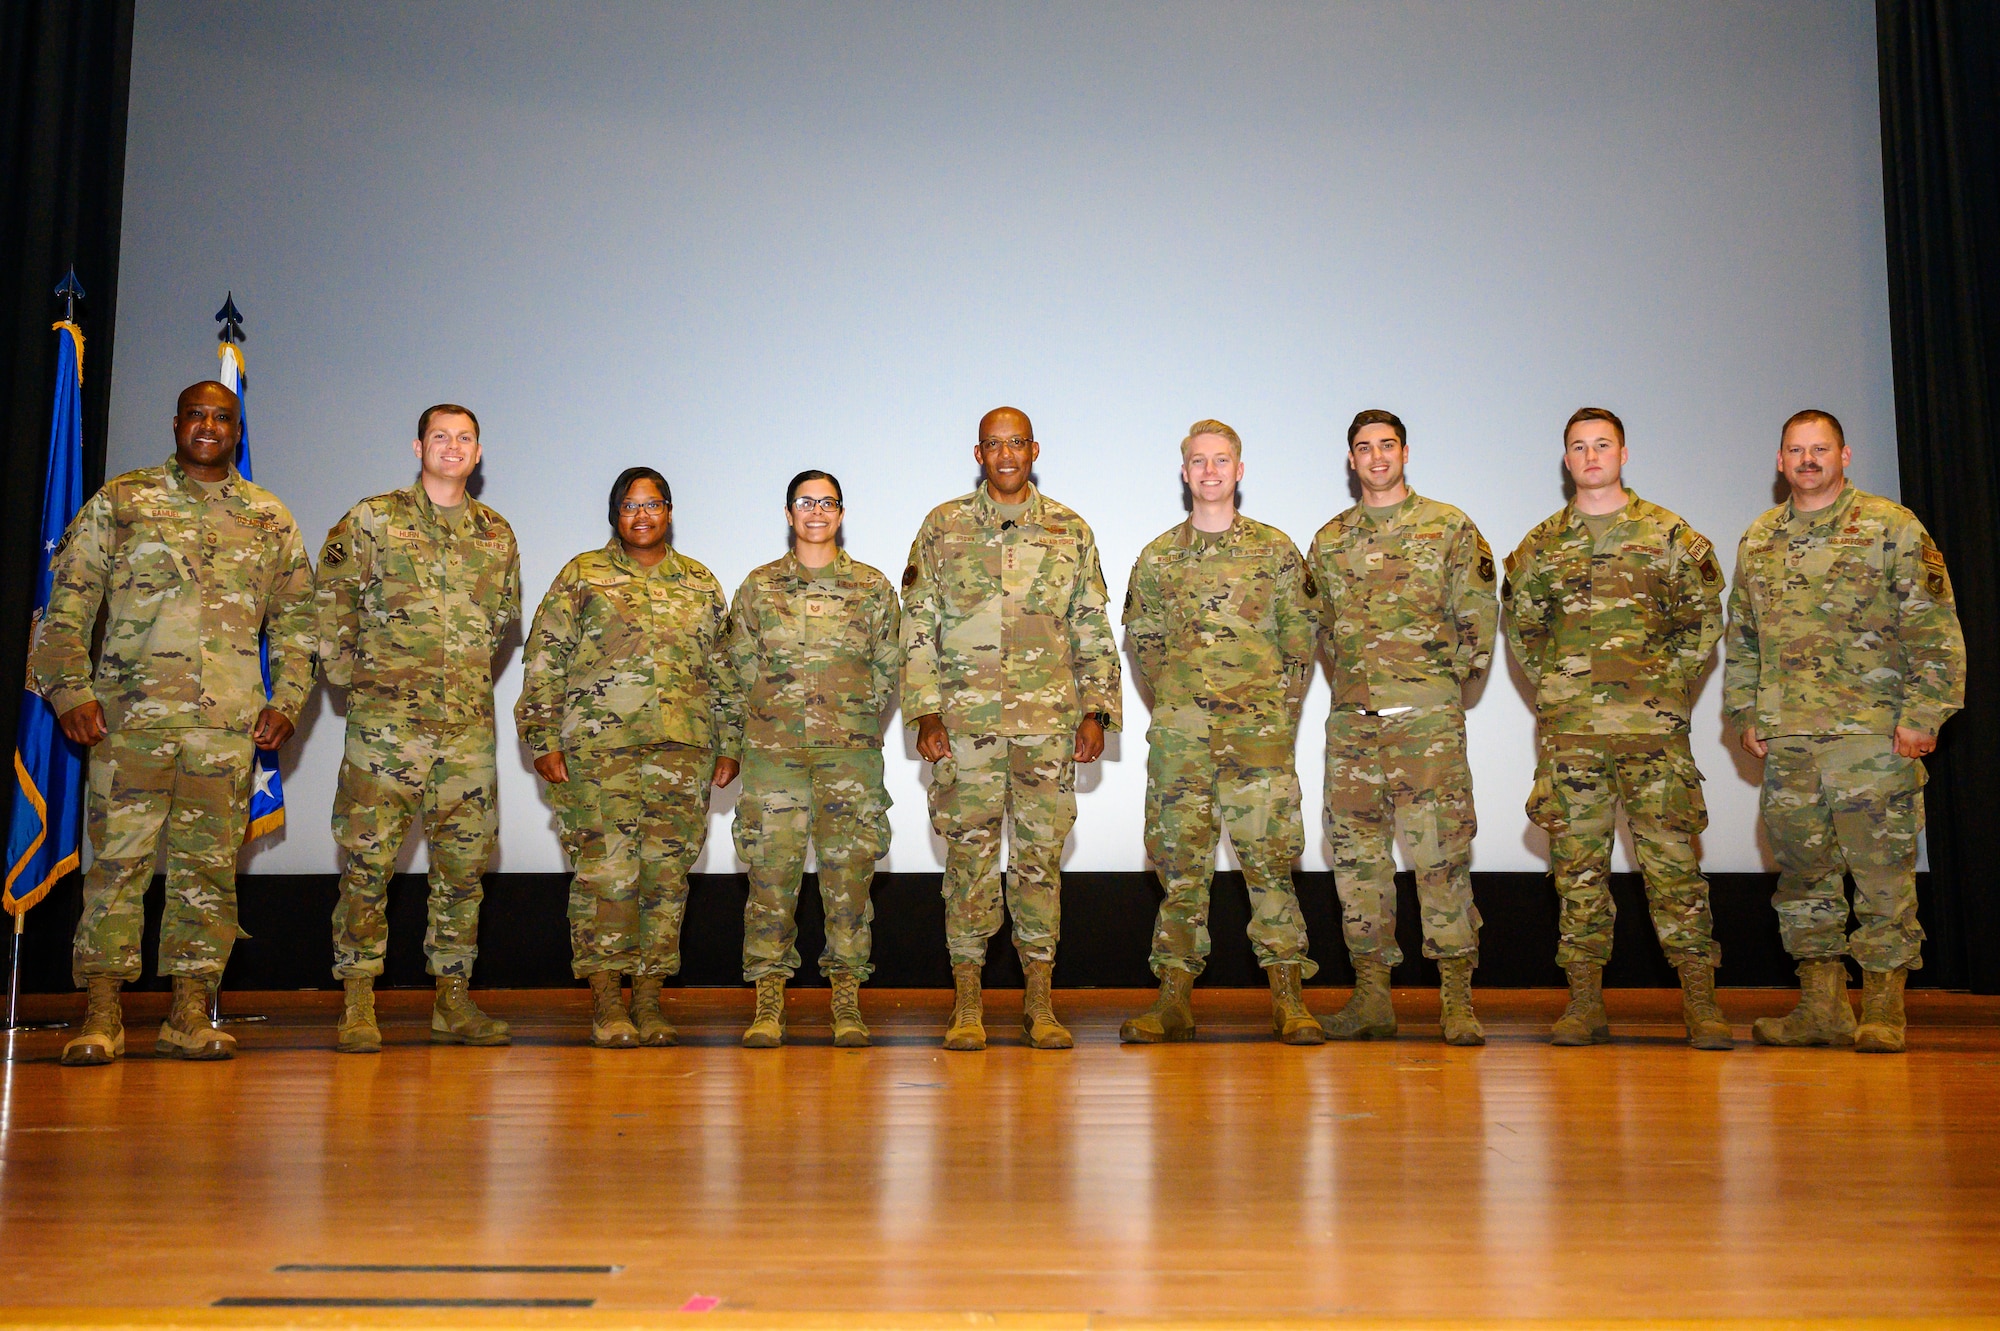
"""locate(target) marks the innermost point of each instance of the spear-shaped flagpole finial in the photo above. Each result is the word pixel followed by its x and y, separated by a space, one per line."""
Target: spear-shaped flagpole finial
pixel 71 292
pixel 231 320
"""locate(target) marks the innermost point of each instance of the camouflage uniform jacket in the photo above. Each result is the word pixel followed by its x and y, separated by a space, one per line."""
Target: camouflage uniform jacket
pixel 1613 639
pixel 622 656
pixel 1004 630
pixel 190 578
pixel 1841 622
pixel 1408 606
pixel 1224 632
pixel 814 654
pixel 411 613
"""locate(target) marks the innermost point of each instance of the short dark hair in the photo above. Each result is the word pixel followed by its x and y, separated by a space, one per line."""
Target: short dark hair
pixel 1814 414
pixel 624 482
pixel 1594 414
pixel 1376 416
pixel 447 409
pixel 813 474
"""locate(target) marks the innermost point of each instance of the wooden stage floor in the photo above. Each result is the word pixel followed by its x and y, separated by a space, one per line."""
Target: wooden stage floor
pixel 902 1186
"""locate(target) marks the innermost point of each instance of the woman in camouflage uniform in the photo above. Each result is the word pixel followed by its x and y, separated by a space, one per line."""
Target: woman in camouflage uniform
pixel 626 701
pixel 813 648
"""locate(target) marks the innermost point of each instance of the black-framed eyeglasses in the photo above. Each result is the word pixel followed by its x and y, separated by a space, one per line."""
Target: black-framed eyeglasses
pixel 805 504
pixel 633 507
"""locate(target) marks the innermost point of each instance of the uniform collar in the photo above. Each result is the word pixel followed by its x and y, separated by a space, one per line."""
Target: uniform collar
pixel 1629 511
pixel 669 567
pixel 1397 515
pixel 178 477
pixel 989 509
pixel 799 574
pixel 429 512
pixel 1239 527
pixel 1834 512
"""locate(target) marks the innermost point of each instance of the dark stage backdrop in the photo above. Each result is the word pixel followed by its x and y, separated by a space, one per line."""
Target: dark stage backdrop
pixel 1940 70
pixel 65 70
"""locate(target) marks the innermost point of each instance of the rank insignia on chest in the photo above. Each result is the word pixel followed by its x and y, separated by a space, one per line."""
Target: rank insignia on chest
pixel 815 606
pixel 1373 559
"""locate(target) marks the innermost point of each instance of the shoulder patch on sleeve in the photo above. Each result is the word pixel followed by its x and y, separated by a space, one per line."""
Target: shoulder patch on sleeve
pixel 1311 586
pixel 909 577
pixel 1935 580
pixel 334 554
pixel 1131 595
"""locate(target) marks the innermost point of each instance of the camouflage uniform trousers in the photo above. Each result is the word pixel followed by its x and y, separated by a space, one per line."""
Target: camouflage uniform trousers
pixel 835 799
pixel 1836 805
pixel 390 774
pixel 1404 774
pixel 1579 784
pixel 635 821
pixel 194 783
pixel 1245 781
pixel 983 781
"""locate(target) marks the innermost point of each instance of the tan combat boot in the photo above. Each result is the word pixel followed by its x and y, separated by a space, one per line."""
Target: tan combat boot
pixel 654 1028
pixel 767 1022
pixel 610 1025
pixel 1171 1018
pixel 1370 1014
pixel 1455 1015
pixel 456 1019
pixel 849 1031
pixel 1823 1016
pixel 967 1030
pixel 356 1032
pixel 1038 1013
pixel 103 1035
pixel 1584 1021
pixel 1290 1021
pixel 187 1032
pixel 1706 1026
pixel 1882 1024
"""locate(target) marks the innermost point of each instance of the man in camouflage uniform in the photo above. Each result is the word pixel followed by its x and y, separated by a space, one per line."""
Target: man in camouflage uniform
pixel 1010 675
pixel 1221 612
pixel 1612 607
pixel 813 647
pixel 625 700
pixel 193 561
pixel 1409 613
pixel 1844 658
pixel 417 588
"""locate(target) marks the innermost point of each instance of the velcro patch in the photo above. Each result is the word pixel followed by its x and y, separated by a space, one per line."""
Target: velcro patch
pixel 909 577
pixel 334 555
pixel 405 534
pixel 258 521
pixel 1698 546
pixel 1933 557
pixel 1711 573
pixel 1311 587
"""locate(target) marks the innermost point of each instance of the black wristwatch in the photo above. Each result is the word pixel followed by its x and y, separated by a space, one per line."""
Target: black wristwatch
pixel 1102 718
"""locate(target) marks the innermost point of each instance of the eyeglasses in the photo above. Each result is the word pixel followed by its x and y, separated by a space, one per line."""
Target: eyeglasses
pixel 1015 443
pixel 633 507
pixel 805 504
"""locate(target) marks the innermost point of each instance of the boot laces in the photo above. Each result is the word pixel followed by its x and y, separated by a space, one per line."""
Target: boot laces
pixel 101 1012
pixel 846 1001
pixel 770 1003
pixel 1458 987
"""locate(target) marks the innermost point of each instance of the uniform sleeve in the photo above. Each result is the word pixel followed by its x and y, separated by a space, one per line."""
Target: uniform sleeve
pixel 1145 625
pixel 741 650
pixel 289 627
pixel 1526 595
pixel 1929 633
pixel 1298 615
pixel 59 659
pixel 922 630
pixel 1475 609
pixel 346 562
pixel 886 647
pixel 1320 562
pixel 552 640
pixel 508 612
pixel 1092 645
pixel 1742 662
pixel 1697 613
pixel 729 691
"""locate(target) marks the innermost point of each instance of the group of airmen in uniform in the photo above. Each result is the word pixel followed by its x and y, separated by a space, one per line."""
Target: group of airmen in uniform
pixel 644 689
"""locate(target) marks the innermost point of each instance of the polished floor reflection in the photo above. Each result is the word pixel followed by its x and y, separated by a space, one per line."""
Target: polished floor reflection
pixel 1233 1176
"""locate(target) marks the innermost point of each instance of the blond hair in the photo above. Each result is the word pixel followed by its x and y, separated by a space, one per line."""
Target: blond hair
pixel 1200 428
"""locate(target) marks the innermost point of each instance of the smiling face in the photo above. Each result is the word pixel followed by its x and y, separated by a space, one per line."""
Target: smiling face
pixel 449 449
pixel 1594 455
pixel 815 524
pixel 1212 469
pixel 643 516
pixel 1814 462
pixel 207 426
pixel 1377 458
pixel 1006 454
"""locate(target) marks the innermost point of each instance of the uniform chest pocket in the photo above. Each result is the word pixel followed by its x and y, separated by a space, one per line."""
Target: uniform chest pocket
pixel 1250 594
pixel 968 572
pixel 405 570
pixel 1048 571
pixel 153 559
pixel 828 623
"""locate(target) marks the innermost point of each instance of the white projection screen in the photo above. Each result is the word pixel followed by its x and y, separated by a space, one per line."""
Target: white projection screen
pixel 736 240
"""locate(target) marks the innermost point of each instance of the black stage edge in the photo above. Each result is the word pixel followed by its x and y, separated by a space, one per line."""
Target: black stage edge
pixel 1107 926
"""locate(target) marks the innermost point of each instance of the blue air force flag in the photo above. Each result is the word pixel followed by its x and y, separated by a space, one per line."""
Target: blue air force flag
pixel 267 788
pixel 45 831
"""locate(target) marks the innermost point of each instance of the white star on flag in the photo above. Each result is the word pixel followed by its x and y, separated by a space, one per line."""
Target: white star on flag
pixel 263 779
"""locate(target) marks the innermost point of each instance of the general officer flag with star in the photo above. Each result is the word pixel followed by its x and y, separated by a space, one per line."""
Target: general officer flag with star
pixel 45 830
pixel 267 786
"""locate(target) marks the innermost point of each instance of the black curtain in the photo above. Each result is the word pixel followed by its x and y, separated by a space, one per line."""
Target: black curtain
pixel 65 72
pixel 1940 76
